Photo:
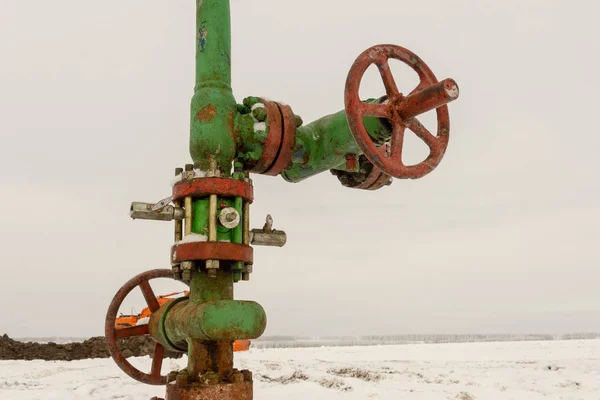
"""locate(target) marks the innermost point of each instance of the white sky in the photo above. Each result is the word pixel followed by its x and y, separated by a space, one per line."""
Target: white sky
pixel 502 237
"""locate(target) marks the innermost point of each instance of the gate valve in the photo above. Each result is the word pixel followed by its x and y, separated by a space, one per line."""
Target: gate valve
pixel 400 111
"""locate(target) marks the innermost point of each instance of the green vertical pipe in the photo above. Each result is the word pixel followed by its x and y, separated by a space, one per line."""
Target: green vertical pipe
pixel 213 41
pixel 213 105
pixel 205 289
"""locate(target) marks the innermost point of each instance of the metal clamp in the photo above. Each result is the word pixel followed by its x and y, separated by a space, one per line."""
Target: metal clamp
pixel 267 236
pixel 150 211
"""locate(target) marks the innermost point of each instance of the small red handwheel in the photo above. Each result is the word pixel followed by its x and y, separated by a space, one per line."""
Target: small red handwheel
pixel 400 111
pixel 113 334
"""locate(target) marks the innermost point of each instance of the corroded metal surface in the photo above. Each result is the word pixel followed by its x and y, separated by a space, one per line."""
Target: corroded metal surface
pixel 428 99
pixel 260 237
pixel 200 251
pixel 377 179
pixel 284 153
pixel 364 175
pixel 228 391
pixel 382 180
pixel 273 140
pixel 212 357
pixel 204 187
pixel 374 180
pixel 112 334
pixel 351 162
pixel 400 111
pixel 220 320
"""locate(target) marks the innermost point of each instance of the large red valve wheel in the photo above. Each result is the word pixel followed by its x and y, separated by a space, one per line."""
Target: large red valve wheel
pixel 113 334
pixel 400 111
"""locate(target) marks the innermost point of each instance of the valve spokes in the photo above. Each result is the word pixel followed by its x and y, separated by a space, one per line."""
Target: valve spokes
pixel 149 296
pixel 397 142
pixel 388 79
pixel 139 330
pixel 113 334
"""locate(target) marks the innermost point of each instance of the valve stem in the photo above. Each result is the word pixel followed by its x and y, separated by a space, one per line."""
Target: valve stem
pixel 188 216
pixel 187 266
pixel 178 223
pixel 177 273
pixel 247 267
pixel 212 265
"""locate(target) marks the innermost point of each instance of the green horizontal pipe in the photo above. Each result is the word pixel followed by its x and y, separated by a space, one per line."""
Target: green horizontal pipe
pixel 222 320
pixel 325 143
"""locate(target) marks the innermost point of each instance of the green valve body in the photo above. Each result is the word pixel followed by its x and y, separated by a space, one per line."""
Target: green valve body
pixel 325 143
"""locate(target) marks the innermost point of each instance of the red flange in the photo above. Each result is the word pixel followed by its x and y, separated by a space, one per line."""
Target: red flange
pixel 202 187
pixel 288 142
pixel 229 391
pixel 376 179
pixel 199 251
pixel 113 334
pixel 400 111
pixel 274 137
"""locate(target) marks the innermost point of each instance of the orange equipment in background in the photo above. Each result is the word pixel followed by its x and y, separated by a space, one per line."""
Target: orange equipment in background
pixel 127 321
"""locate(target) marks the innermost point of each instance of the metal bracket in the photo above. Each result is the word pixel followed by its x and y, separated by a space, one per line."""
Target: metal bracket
pixel 267 236
pixel 147 211
pixel 162 204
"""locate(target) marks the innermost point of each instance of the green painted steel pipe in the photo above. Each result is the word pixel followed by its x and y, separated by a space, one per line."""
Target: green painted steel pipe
pixel 221 320
pixel 213 105
pixel 213 52
pixel 325 143
pixel 205 289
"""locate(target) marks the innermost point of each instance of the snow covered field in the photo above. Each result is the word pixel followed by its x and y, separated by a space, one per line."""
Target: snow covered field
pixel 509 370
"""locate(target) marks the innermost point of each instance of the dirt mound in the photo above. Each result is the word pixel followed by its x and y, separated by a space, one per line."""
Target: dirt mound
pixel 92 348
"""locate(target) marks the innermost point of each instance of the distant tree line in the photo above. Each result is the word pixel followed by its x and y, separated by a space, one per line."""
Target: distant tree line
pixel 274 342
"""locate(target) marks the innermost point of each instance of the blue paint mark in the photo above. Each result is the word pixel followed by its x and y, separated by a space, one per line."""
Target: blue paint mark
pixel 202 35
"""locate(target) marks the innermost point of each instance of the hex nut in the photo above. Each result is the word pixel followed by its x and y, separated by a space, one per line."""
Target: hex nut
pixel 229 217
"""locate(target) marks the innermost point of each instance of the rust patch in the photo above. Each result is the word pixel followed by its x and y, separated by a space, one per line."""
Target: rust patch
pixel 230 391
pixel 288 141
pixel 274 138
pixel 351 162
pixel 207 114
pixel 203 187
pixel 199 251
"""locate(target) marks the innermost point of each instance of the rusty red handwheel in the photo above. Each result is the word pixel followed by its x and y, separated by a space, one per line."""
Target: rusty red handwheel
pixel 113 334
pixel 400 111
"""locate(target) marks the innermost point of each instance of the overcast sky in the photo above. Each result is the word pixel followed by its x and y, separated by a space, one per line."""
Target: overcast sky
pixel 502 237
